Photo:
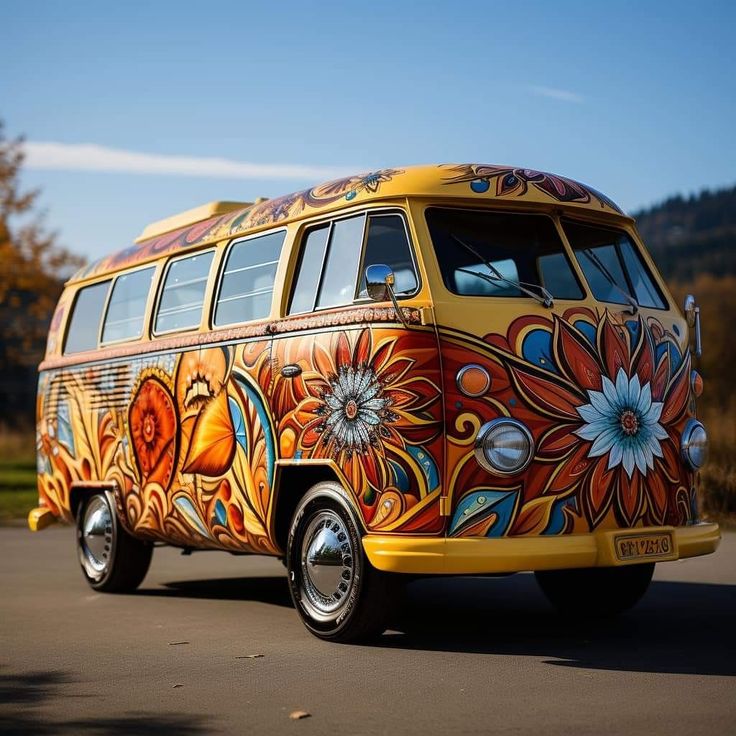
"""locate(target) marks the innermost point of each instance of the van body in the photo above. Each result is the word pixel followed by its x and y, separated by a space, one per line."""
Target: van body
pixel 453 369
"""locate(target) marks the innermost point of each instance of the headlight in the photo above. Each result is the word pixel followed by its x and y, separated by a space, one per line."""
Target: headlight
pixel 504 446
pixel 694 444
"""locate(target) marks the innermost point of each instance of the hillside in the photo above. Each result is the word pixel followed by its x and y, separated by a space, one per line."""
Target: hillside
pixel 692 236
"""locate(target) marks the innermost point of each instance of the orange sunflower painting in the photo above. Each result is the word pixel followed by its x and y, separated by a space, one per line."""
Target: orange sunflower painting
pixel 367 401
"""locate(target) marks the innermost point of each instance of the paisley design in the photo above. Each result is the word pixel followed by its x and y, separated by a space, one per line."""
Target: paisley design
pixel 514 182
pixel 213 440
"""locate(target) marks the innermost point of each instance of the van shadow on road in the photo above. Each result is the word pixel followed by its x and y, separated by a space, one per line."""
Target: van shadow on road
pixel 679 627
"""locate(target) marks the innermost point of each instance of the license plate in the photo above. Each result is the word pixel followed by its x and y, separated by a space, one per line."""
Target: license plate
pixel 644 546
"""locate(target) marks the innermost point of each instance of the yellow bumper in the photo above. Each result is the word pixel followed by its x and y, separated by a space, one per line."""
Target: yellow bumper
pixel 39 518
pixel 448 556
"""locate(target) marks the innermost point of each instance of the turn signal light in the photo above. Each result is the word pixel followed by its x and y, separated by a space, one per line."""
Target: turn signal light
pixel 473 380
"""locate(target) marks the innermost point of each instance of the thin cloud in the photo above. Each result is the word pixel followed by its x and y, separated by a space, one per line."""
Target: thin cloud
pixel 91 157
pixel 557 94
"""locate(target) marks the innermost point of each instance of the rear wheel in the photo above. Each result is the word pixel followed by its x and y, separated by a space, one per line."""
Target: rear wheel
pixel 112 560
pixel 337 593
pixel 596 592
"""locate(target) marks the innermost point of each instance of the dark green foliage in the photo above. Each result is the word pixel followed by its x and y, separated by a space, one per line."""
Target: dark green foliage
pixel 692 236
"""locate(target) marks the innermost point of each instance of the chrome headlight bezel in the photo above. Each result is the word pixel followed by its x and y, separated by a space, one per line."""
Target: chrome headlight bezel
pixel 692 430
pixel 483 445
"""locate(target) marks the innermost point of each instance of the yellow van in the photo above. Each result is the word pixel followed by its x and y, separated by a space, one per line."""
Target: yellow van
pixel 440 370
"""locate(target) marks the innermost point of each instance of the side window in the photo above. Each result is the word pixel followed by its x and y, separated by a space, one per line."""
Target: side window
pixel 341 265
pixel 246 285
pixel 309 269
pixel 330 264
pixel 84 325
pixel 387 242
pixel 180 307
pixel 127 308
pixel 332 252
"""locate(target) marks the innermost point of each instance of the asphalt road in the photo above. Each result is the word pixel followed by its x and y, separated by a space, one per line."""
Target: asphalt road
pixel 474 655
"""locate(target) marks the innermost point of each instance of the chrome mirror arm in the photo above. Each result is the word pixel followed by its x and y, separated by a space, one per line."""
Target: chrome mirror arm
pixel 692 315
pixel 390 280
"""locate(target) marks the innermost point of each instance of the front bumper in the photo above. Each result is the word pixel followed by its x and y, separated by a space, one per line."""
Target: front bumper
pixel 476 556
pixel 40 517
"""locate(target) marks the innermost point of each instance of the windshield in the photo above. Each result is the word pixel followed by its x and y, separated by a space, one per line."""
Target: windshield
pixel 484 253
pixel 612 265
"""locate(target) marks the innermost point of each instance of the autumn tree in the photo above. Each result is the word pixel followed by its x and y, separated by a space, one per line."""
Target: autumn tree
pixel 32 270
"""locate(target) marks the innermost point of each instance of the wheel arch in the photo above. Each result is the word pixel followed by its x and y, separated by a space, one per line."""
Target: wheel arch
pixel 292 481
pixel 84 489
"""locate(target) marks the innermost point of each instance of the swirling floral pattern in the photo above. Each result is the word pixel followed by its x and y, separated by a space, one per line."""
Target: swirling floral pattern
pixel 193 454
pixel 606 399
pixel 369 406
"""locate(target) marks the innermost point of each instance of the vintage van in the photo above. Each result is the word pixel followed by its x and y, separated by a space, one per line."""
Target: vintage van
pixel 442 370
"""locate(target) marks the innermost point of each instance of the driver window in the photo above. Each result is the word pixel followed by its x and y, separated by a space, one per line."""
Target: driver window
pixel 387 242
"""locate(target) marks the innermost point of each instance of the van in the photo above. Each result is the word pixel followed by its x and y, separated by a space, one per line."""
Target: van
pixel 439 370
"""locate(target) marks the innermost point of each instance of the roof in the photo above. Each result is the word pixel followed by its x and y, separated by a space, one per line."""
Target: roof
pixel 482 181
pixel 189 217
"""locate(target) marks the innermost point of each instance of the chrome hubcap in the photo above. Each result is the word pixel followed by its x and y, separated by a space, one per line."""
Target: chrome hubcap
pixel 327 561
pixel 96 535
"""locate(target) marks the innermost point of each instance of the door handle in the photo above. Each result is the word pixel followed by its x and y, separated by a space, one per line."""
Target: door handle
pixel 291 371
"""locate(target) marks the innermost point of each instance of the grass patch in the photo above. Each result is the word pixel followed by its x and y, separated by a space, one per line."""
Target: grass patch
pixel 718 477
pixel 18 492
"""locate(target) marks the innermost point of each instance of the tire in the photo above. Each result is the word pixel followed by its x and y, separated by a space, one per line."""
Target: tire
pixel 596 592
pixel 112 561
pixel 339 596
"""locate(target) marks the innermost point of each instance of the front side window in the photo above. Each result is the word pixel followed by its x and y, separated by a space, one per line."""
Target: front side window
pixel 484 253
pixel 247 280
pixel 84 326
pixel 387 242
pixel 331 270
pixel 612 265
pixel 127 308
pixel 180 307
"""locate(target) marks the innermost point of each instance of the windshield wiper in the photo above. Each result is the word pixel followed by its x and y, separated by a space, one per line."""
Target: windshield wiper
pixel 593 258
pixel 544 297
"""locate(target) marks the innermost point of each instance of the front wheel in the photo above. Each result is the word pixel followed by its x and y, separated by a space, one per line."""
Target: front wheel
pixel 112 560
pixel 337 593
pixel 596 592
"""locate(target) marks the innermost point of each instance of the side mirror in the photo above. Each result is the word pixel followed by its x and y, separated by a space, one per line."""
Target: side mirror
pixel 692 316
pixel 689 309
pixel 379 282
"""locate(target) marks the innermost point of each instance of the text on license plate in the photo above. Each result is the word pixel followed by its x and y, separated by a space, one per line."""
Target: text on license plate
pixel 644 545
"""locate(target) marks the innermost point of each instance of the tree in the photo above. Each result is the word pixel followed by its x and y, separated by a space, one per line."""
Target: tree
pixel 32 269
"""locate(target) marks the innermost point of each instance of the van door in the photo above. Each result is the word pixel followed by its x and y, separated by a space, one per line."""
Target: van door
pixel 354 389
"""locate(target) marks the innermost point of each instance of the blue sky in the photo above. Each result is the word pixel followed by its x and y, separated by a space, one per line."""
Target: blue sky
pixel 637 99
